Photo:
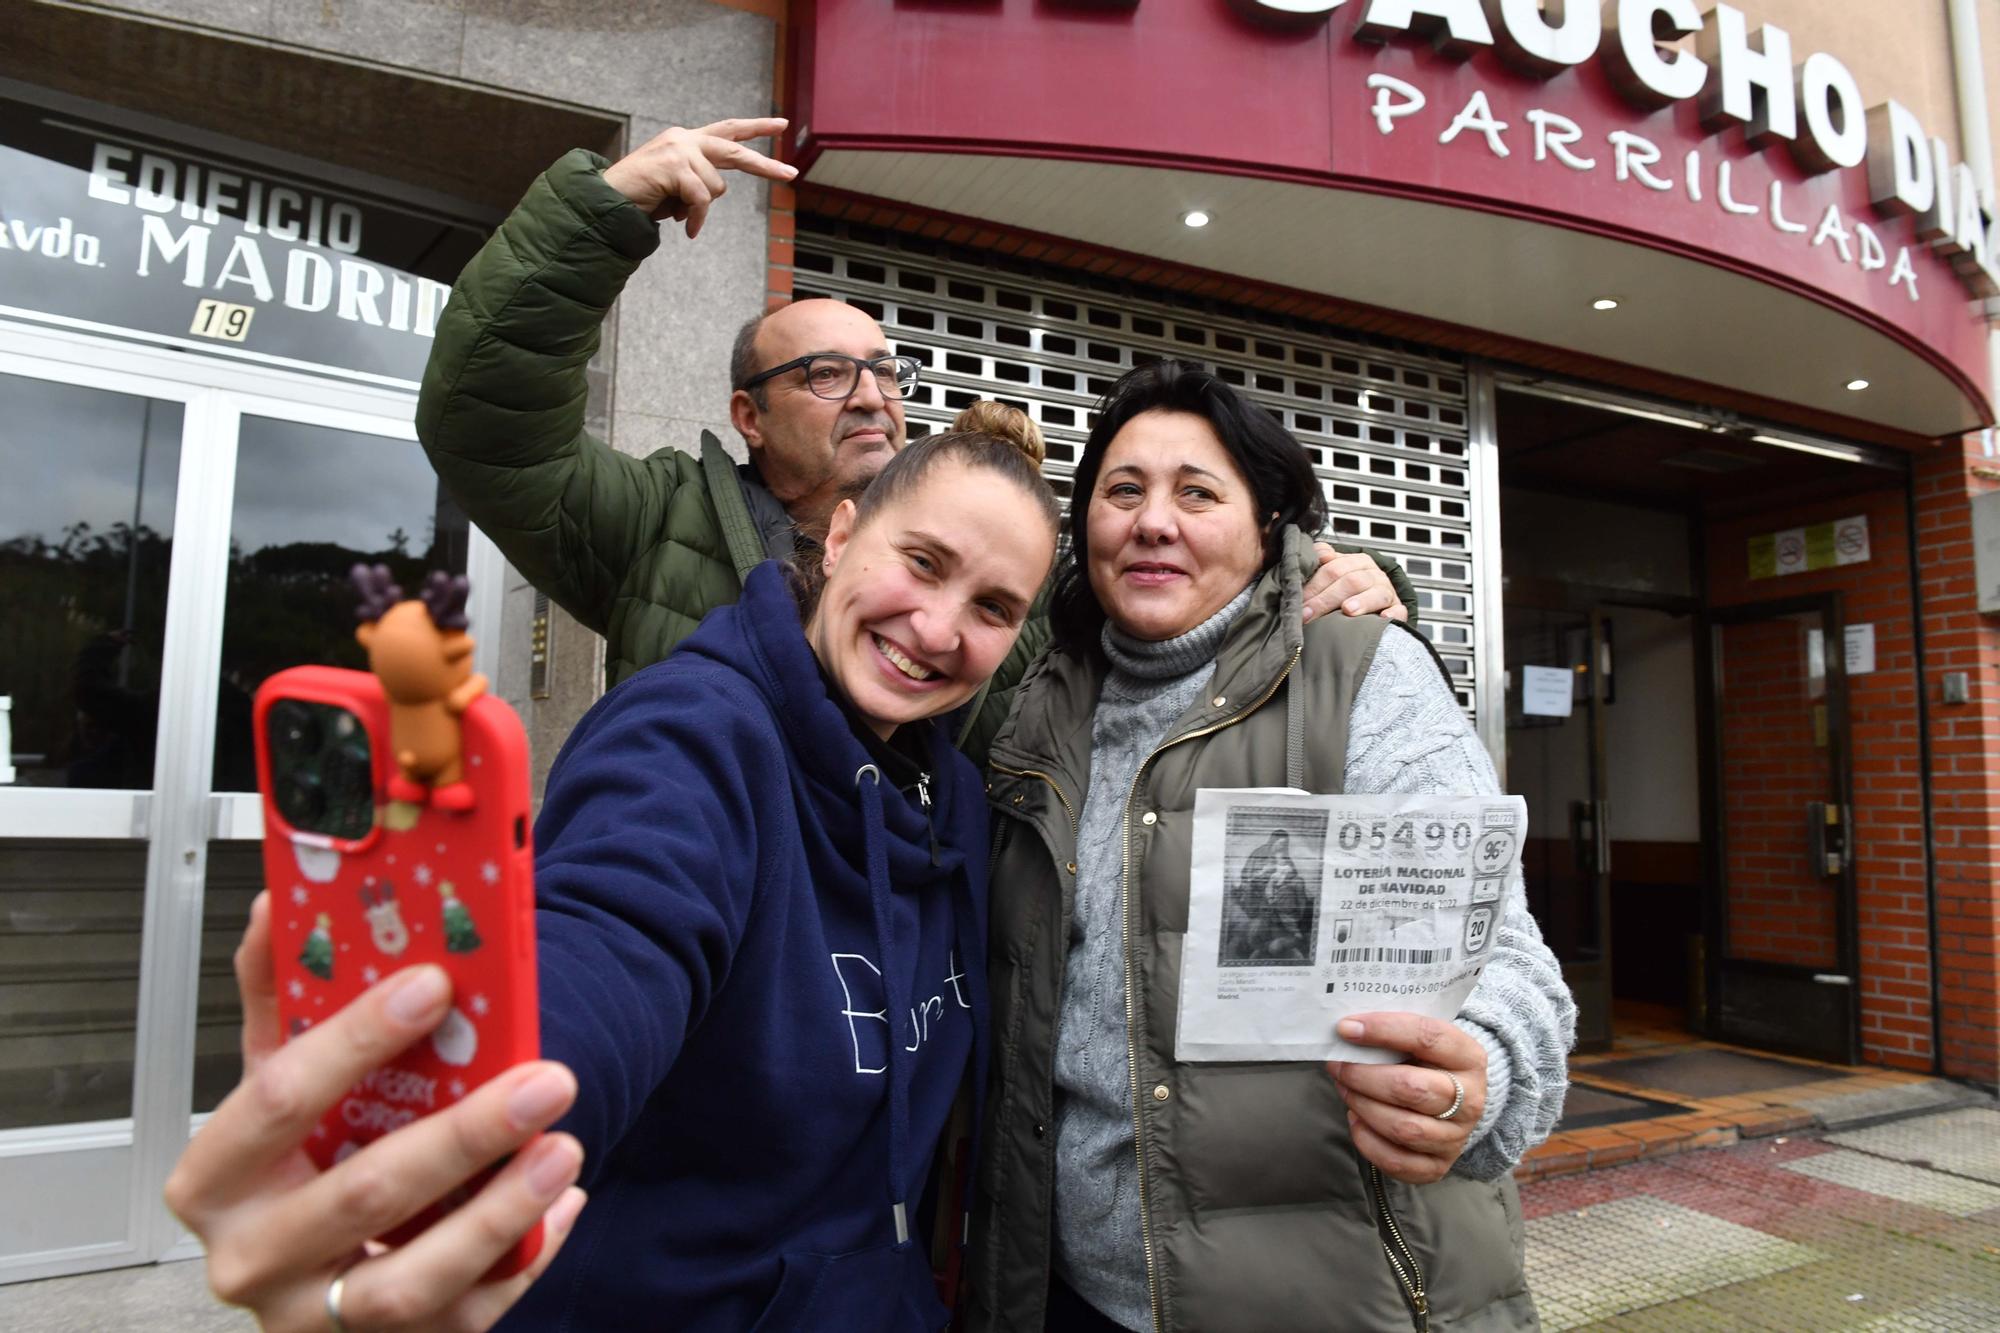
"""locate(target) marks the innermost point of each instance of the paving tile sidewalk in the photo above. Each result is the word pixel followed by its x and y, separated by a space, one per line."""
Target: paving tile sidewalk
pixel 1891 1227
pixel 1821 1096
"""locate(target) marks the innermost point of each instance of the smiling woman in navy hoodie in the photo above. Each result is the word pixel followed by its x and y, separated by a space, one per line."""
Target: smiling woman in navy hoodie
pixel 761 920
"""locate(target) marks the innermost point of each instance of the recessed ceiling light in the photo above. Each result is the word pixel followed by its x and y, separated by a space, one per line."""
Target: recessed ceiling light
pixel 1195 217
pixel 1605 303
pixel 1857 385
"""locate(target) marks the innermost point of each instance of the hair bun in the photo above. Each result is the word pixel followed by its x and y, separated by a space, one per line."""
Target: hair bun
pixel 1003 422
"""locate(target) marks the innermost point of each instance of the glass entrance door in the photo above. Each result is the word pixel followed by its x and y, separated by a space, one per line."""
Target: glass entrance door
pixel 91 548
pixel 172 531
pixel 1785 971
pixel 1555 760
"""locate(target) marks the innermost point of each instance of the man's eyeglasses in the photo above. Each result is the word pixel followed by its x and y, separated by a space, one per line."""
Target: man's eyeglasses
pixel 834 375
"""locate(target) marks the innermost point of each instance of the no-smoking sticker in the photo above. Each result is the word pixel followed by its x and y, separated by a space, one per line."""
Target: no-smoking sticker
pixel 1850 541
pixel 1842 541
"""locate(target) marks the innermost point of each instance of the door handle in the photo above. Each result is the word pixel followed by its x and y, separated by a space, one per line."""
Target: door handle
pixel 1826 838
pixel 1603 822
pixel 1590 836
pixel 1587 837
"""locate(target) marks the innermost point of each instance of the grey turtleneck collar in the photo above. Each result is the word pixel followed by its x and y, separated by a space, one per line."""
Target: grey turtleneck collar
pixel 1163 659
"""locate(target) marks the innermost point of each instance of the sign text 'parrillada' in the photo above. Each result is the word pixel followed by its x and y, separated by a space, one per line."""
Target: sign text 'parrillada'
pixel 1737 75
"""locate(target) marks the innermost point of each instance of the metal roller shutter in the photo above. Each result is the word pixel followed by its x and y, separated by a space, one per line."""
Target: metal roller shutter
pixel 1385 423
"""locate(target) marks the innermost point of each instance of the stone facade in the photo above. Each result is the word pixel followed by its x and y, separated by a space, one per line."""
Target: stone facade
pixel 412 90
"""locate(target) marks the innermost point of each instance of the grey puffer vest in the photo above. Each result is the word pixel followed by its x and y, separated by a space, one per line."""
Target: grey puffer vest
pixel 1258 1212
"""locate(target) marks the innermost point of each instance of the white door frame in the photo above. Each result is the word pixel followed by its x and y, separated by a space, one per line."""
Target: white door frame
pixel 180 814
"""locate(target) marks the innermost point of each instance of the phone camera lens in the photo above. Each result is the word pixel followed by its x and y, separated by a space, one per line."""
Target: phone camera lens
pixel 301 799
pixel 322 772
pixel 346 771
pixel 295 729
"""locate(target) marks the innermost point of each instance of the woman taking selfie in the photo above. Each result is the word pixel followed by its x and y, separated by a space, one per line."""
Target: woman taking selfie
pixel 1120 1188
pixel 761 903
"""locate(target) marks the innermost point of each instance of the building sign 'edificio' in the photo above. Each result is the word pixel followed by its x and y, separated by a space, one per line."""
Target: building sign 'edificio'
pixel 117 232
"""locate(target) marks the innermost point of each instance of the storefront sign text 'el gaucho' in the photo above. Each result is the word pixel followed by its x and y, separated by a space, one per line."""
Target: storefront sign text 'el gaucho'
pixel 1568 111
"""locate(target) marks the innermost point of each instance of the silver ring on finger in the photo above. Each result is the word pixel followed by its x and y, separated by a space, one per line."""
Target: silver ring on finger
pixel 1457 1098
pixel 334 1290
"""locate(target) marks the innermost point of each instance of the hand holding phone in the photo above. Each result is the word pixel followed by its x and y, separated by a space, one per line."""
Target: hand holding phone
pixel 278 1232
pixel 382 1160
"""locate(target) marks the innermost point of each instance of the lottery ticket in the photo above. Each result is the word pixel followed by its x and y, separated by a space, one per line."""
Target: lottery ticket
pixel 1304 909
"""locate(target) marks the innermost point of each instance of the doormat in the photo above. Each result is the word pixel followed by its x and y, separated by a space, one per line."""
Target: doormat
pixel 1587 1107
pixel 1707 1073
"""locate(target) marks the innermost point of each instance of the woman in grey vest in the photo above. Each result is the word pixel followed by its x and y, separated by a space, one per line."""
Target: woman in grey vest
pixel 1119 1187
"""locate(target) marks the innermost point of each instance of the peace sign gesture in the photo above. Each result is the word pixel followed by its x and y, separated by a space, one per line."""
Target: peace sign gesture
pixel 678 173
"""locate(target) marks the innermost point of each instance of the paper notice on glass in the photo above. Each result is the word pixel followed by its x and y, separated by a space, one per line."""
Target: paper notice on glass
pixel 1547 691
pixel 1305 909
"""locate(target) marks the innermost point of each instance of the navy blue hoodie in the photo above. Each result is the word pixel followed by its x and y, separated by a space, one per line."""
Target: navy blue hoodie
pixel 769 980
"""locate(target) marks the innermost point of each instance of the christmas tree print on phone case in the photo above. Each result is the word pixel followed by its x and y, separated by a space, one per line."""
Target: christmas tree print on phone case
pixel 459 935
pixel 317 956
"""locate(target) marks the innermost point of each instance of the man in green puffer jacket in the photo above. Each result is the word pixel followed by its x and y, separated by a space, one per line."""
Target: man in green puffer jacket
pixel 640 549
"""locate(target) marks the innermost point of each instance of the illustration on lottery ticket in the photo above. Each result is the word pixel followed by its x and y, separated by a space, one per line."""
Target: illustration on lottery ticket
pixel 1304 909
pixel 1270 902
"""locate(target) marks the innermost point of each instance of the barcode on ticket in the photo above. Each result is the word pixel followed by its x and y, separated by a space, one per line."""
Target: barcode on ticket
pixel 1382 955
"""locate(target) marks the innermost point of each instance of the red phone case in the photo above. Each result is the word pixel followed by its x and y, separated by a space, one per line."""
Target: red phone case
pixel 421 885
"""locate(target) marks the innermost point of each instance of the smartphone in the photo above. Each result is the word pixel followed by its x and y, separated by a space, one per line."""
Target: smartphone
pixel 362 886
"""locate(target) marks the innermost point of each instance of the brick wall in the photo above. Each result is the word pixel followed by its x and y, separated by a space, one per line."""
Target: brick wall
pixel 784 208
pixel 1772 766
pixel 1965 756
pixel 784 228
pixel 1888 822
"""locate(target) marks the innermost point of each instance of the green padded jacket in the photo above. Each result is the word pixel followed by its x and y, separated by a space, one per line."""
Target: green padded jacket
pixel 637 549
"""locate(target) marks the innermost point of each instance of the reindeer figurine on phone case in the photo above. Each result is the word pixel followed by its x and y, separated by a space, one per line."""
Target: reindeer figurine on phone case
pixel 419 650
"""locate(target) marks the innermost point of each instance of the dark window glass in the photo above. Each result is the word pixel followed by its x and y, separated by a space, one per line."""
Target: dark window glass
pixel 311 503
pixel 86 535
pixel 71 912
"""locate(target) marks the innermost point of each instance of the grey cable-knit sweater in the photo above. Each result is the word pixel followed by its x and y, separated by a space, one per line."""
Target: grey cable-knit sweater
pixel 1098 1249
pixel 1406 735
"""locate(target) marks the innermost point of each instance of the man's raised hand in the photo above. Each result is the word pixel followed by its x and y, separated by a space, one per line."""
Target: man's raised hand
pixel 677 173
